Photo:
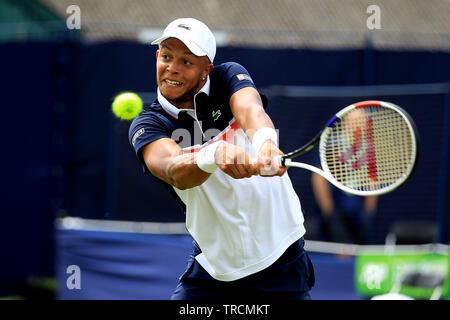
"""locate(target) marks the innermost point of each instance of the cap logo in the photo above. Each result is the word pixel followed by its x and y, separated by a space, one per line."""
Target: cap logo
pixel 182 25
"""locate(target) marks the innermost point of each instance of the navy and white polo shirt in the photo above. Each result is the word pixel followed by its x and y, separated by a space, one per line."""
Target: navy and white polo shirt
pixel 242 226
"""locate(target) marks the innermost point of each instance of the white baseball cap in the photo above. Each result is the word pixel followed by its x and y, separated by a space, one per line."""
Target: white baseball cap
pixel 194 34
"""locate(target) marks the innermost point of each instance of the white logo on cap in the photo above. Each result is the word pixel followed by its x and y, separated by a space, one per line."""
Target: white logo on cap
pixel 182 25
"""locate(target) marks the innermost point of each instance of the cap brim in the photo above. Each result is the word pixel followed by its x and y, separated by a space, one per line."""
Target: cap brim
pixel 189 43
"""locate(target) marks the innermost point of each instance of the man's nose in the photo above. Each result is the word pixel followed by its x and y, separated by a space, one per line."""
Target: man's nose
pixel 173 67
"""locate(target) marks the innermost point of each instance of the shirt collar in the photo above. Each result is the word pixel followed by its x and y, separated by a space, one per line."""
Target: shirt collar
pixel 174 111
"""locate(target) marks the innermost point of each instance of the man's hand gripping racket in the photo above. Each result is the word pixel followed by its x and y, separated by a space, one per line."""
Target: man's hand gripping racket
pixel 368 148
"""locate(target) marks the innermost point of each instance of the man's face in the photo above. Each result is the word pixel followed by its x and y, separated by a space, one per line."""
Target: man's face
pixel 180 73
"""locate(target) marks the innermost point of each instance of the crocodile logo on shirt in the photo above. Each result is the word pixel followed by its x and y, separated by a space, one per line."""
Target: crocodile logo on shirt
pixel 216 115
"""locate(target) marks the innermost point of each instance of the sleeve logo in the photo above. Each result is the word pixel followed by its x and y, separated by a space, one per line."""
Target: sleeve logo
pixel 243 76
pixel 136 135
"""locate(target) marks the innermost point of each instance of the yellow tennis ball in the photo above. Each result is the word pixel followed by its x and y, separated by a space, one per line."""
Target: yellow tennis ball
pixel 127 105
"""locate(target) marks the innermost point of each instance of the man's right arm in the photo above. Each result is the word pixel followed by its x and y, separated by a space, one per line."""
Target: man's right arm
pixel 165 160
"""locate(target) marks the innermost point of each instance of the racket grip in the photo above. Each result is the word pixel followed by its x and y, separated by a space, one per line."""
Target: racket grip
pixel 279 160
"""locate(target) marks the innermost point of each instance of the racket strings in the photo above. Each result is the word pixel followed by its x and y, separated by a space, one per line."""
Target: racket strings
pixel 369 149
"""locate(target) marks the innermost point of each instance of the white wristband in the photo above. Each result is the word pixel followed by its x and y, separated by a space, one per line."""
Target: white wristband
pixel 206 157
pixel 262 135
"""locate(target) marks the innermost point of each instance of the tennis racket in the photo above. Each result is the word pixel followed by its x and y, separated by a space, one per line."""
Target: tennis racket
pixel 368 148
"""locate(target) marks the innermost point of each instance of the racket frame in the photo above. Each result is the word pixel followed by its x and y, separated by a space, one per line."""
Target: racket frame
pixel 321 138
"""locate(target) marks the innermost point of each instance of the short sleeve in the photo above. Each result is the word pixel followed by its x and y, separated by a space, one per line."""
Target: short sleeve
pixel 237 77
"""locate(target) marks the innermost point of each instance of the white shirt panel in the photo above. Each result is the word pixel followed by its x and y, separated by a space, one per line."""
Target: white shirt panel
pixel 242 225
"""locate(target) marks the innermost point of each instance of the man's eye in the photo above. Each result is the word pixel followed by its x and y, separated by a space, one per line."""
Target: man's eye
pixel 187 62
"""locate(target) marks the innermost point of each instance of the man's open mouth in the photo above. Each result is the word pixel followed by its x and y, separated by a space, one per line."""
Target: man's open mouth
pixel 174 83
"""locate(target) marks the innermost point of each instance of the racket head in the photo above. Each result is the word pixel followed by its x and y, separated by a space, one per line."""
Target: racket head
pixel 369 148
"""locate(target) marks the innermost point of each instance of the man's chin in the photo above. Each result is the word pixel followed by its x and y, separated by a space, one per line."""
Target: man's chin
pixel 170 96
pixel 178 100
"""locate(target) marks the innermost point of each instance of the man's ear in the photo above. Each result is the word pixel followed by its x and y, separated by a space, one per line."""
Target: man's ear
pixel 157 54
pixel 209 68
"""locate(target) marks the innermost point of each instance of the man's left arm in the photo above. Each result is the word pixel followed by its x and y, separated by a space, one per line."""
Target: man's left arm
pixel 247 108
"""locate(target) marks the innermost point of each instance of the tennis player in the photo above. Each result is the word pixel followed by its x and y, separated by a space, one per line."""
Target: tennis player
pixel 199 137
